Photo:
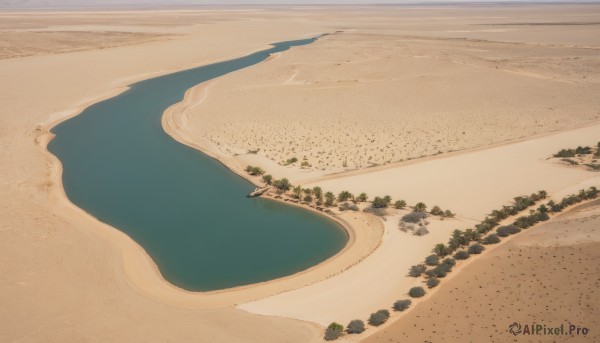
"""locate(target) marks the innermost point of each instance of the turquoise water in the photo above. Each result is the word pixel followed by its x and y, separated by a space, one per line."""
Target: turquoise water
pixel 188 211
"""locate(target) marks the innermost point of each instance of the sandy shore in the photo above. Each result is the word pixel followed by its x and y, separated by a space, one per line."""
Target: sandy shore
pixel 69 277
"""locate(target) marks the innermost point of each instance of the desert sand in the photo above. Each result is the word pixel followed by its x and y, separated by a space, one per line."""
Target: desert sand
pixel 545 276
pixel 371 96
pixel 68 277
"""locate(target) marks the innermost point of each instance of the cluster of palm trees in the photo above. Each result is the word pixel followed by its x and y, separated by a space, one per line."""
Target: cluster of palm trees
pixel 471 239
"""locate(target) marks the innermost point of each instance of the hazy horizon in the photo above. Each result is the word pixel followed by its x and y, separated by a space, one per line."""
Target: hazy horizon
pixel 161 3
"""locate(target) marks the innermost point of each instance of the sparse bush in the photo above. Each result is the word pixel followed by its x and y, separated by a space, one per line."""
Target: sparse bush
pixel 432 282
pixel 476 249
pixel 379 317
pixel 254 170
pixel 308 198
pixel 414 217
pixel 420 207
pixel 356 326
pixel 417 270
pixel 491 239
pixel 440 271
pixel 362 197
pixel 436 211
pixel 502 231
pixel 512 229
pixel 402 305
pixel 381 212
pixel 461 255
pixel 565 153
pixel 432 260
pixel 416 292
pixel 448 214
pixel 400 204
pixel 421 231
pixel 333 332
pixel 291 160
pixel 449 261
pixel 483 228
pixel 348 206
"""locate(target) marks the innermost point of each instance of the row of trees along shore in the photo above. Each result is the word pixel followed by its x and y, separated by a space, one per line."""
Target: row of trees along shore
pixel 318 197
pixel 463 244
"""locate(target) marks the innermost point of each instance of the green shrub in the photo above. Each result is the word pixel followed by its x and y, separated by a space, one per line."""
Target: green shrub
pixel 333 331
pixel 448 214
pixel 268 179
pixel 461 255
pixel 362 197
pixel 476 249
pixel 432 260
pixel 379 317
pixel 436 211
pixel 402 305
pixel 254 170
pixel 502 231
pixel 491 239
pixel 379 202
pixel 420 207
pixel 355 327
pixel 441 250
pixel 400 204
pixel 449 261
pixel 440 271
pixel 291 160
pixel 432 282
pixel 416 292
pixel 283 184
pixel 329 199
pixel 417 270
pixel 421 231
pixel 565 153
pixel 344 196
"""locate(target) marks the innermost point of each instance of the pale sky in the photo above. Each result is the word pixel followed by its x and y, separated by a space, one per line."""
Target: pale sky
pixel 108 3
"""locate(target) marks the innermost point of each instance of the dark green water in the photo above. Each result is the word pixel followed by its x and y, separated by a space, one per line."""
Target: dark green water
pixel 188 211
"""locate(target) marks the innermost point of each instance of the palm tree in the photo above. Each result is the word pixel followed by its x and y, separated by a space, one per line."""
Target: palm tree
pixel 283 184
pixel 329 199
pixel 472 235
pixel 387 200
pixel 362 197
pixel 268 179
pixel 400 204
pixel 318 192
pixel 297 191
pixel 345 195
pixel 441 250
pixel 420 207
pixel 308 191
pixel 542 194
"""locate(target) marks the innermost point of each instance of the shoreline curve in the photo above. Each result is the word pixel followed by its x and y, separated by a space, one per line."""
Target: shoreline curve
pixel 143 275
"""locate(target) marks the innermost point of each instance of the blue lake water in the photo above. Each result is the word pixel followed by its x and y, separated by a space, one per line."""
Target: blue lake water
pixel 188 211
